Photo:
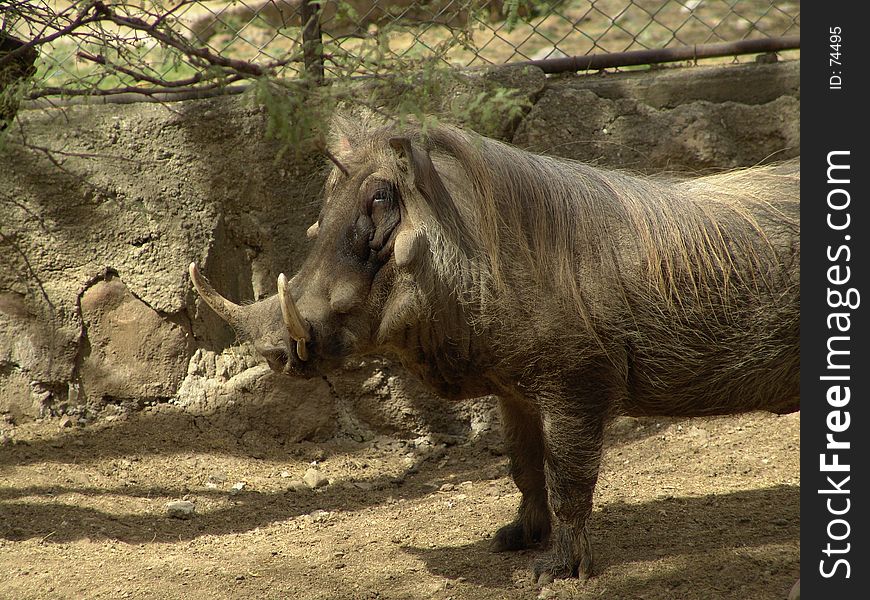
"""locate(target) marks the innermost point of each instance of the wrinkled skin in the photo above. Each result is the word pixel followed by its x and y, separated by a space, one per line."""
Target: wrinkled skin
pixel 347 277
pixel 405 261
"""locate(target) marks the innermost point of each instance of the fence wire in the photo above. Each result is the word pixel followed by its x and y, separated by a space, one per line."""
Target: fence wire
pixel 134 44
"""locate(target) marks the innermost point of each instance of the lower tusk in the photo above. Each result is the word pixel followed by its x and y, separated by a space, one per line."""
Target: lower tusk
pixel 292 319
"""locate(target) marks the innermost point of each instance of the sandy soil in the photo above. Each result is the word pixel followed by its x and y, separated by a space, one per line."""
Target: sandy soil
pixel 702 508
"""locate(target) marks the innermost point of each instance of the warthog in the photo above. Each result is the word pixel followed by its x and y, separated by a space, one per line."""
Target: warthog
pixel 572 293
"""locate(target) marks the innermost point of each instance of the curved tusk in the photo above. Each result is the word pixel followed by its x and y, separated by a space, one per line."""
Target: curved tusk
pixel 228 311
pixel 301 350
pixel 312 231
pixel 292 319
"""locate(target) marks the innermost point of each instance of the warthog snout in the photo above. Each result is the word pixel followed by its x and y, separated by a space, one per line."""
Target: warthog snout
pixel 284 353
pixel 298 335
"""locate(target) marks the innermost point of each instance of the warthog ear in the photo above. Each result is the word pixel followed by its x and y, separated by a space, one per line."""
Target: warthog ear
pixel 421 169
pixel 404 149
pixel 411 243
pixel 424 176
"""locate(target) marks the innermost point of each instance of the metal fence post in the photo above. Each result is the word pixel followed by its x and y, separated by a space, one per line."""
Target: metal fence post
pixel 312 40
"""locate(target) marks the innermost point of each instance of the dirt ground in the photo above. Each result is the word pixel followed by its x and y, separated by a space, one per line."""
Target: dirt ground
pixel 701 508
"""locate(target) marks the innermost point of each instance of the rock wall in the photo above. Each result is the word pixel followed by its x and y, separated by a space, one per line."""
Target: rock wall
pixel 97 312
pixel 685 119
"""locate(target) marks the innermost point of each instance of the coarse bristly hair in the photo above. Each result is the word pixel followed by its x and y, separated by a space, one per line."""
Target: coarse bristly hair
pixel 697 237
pixel 622 252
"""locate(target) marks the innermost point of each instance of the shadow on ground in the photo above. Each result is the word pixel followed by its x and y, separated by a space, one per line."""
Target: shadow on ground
pixel 720 534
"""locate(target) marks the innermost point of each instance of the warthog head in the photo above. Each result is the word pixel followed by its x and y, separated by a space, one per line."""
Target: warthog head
pixel 356 291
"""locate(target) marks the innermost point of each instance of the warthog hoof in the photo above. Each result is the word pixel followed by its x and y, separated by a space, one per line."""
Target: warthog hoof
pixel 553 565
pixel 509 538
pixel 516 537
pixel 569 556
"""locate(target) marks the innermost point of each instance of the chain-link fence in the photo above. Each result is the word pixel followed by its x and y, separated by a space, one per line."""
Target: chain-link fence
pixel 116 45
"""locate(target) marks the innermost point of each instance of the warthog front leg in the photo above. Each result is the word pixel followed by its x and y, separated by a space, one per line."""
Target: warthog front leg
pixel 525 445
pixel 572 459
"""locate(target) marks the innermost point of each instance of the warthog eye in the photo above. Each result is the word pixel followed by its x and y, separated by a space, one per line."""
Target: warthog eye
pixel 382 202
pixel 379 196
pixel 381 207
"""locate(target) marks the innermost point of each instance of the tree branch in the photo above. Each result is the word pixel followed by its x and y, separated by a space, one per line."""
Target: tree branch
pixel 213 69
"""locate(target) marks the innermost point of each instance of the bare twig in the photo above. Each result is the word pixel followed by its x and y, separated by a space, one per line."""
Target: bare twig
pixel 131 89
pixel 168 13
pixel 65 153
pixel 4 239
pixel 335 160
pixel 176 41
pixel 213 69
pixel 7 199
pixel 52 155
pixel 45 537
pixel 80 21
pixel 101 60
